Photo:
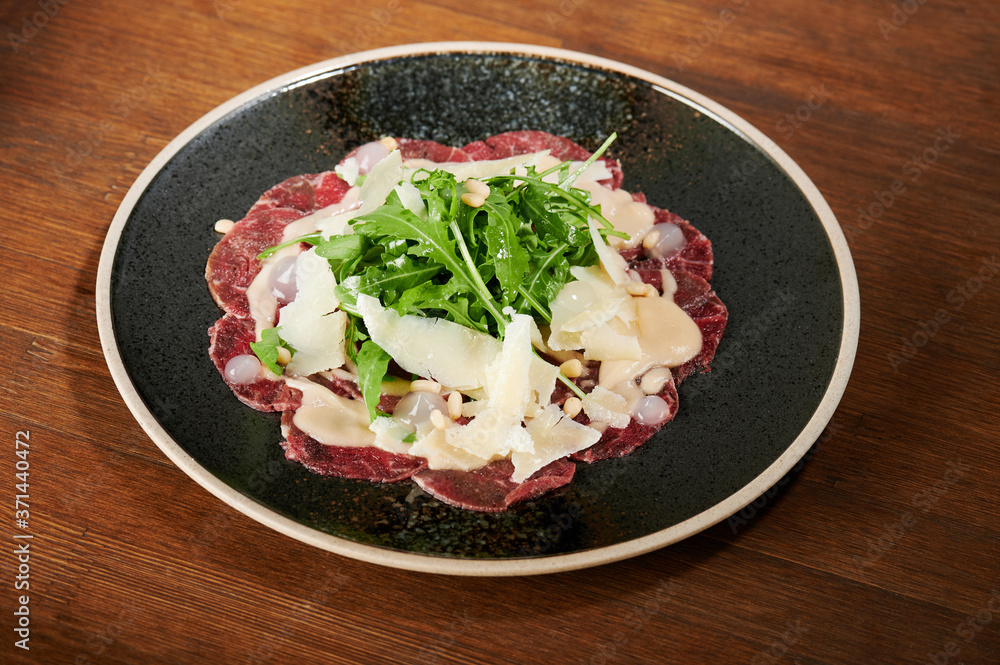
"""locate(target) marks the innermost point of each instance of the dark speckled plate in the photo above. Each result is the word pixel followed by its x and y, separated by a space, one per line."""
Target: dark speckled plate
pixel 782 267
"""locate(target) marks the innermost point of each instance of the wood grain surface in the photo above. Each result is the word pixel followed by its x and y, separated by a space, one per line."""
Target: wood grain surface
pixel 884 547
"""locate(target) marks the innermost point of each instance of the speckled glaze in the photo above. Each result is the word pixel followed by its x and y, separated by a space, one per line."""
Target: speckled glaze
pixel 775 268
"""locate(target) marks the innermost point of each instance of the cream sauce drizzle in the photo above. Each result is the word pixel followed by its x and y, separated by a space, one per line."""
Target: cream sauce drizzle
pixel 263 304
pixel 654 380
pixel 310 222
pixel 668 337
pixel 329 418
pixel 628 216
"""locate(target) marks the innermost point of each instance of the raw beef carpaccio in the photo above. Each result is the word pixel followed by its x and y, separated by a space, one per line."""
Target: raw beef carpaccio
pixel 233 264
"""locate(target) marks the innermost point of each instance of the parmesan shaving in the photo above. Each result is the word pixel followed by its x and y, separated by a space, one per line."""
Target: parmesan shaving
pixel 480 169
pixel 605 406
pixel 311 323
pixel 611 260
pixel 439 454
pixel 555 436
pixel 410 197
pixel 498 429
pixel 389 435
pixel 447 352
pixel 373 192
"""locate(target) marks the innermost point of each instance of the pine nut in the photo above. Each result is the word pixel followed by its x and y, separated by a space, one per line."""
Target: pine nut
pixel 389 142
pixel 477 187
pixel 437 419
pixel 572 407
pixel 426 386
pixel 571 368
pixel 473 200
pixel 651 239
pixel 636 288
pixel 224 225
pixel 455 405
pixel 651 291
pixel 284 356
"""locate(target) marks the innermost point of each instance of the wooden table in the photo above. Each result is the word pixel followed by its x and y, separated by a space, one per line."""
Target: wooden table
pixel 884 548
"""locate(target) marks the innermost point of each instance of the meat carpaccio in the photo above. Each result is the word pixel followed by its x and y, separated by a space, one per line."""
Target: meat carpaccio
pixel 233 264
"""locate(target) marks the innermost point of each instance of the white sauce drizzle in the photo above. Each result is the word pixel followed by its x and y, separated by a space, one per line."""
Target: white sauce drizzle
pixel 653 381
pixel 628 216
pixel 668 337
pixel 260 294
pixel 329 418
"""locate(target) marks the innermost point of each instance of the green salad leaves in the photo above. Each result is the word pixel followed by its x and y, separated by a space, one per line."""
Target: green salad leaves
pixel 266 349
pixel 451 260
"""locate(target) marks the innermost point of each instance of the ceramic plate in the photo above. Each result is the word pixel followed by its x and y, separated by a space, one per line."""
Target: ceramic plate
pixel 781 266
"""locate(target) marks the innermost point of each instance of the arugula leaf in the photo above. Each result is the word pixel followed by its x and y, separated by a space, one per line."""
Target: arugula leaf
pixel 352 336
pixel 509 258
pixel 551 272
pixel 373 363
pixel 437 238
pixel 342 249
pixel 467 263
pixel 427 298
pixel 390 281
pixel 266 349
pixel 311 238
